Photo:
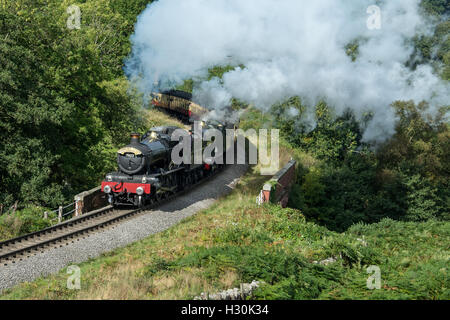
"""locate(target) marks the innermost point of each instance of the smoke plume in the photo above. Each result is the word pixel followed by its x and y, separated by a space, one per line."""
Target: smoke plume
pixel 287 48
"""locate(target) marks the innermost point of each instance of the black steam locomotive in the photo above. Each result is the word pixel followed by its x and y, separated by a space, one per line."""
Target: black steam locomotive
pixel 146 172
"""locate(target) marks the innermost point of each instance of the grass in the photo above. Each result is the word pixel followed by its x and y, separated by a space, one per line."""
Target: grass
pixel 27 220
pixel 236 241
pixel 154 117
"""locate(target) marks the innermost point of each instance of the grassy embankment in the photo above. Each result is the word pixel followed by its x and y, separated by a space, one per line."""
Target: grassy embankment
pixel 236 241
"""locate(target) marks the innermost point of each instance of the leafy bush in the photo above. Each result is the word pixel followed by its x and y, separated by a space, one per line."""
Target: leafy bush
pixel 436 7
pixel 21 222
pixel 406 178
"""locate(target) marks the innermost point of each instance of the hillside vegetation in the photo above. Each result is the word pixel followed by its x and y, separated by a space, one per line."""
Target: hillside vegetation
pixel 406 178
pixel 66 108
pixel 65 105
pixel 236 241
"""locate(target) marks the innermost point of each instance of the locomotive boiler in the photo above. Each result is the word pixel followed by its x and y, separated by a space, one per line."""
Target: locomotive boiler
pixel 146 172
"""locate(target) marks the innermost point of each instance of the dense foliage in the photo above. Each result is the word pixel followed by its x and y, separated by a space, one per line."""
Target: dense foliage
pixel 64 106
pixel 406 178
pixel 23 221
pixel 436 7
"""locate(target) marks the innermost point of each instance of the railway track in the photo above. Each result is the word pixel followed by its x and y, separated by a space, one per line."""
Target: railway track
pixel 72 230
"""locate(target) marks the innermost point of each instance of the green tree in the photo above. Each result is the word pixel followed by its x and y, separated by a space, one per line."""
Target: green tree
pixel 64 105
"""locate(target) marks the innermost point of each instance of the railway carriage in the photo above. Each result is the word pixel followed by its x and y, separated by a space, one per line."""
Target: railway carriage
pixel 178 103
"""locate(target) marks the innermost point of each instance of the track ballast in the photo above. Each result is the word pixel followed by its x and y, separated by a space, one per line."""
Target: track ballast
pixel 67 232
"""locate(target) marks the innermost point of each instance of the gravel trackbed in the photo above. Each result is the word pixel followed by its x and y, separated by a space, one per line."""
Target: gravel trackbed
pixel 151 222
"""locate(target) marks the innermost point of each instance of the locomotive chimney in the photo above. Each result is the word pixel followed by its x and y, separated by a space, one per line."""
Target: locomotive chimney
pixel 135 138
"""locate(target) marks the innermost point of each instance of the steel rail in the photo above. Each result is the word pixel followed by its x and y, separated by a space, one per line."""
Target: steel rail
pixel 70 230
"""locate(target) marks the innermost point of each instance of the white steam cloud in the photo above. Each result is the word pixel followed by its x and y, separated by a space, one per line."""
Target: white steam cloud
pixel 288 47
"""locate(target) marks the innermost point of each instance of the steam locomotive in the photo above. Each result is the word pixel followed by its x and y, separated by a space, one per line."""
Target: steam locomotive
pixel 146 172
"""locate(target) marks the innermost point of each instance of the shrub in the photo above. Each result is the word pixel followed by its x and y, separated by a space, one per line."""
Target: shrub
pixel 29 219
